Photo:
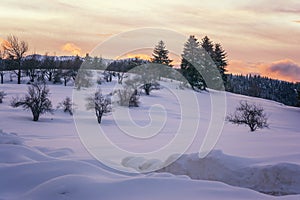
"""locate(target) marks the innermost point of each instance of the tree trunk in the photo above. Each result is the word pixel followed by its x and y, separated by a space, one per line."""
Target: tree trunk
pixel 252 128
pixel 50 76
pixel 2 78
pixel 99 119
pixel 35 116
pixel 19 76
pixel 147 92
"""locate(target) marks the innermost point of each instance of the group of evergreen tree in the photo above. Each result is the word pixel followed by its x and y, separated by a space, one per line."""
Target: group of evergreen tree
pixel 266 88
pixel 203 64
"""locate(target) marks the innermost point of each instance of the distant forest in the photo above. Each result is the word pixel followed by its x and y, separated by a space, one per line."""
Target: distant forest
pixel 203 65
pixel 62 69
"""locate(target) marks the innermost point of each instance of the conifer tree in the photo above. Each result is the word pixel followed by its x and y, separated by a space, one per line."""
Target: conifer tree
pixel 161 56
pixel 208 46
pixel 191 63
pixel 219 57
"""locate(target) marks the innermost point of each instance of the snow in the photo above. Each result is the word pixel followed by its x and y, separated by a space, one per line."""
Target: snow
pixel 47 159
pixel 278 179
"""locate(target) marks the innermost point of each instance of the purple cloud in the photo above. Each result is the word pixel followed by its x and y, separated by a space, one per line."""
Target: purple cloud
pixel 286 68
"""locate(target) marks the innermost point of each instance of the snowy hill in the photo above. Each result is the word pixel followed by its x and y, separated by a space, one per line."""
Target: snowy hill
pixel 47 159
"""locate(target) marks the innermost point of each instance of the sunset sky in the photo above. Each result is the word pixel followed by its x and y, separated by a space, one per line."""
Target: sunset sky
pixel 261 36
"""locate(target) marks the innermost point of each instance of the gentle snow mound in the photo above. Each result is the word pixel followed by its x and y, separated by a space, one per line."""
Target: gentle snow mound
pixel 278 179
pixel 10 138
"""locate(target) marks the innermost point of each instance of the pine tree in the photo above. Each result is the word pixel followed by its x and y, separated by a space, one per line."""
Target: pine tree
pixel 219 57
pixel 161 56
pixel 208 46
pixel 191 63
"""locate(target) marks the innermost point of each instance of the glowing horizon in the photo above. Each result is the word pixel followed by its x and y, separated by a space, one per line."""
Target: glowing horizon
pixel 259 37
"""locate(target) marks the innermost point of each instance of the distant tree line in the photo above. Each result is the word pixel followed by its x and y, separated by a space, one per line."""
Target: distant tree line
pixel 263 87
pixel 203 64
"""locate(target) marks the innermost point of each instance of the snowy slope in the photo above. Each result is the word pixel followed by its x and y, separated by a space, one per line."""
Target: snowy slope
pixel 46 159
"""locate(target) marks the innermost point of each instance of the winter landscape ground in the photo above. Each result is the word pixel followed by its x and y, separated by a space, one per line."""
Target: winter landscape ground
pixel 47 159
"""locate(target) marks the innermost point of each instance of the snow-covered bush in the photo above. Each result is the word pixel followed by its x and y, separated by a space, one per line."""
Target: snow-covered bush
pixel 10 138
pixel 147 77
pixel 67 105
pixel 100 103
pixel 127 97
pixel 2 95
pixel 248 114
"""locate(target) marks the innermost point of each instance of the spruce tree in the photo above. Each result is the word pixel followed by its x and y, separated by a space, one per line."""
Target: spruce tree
pixel 191 63
pixel 219 57
pixel 208 46
pixel 161 56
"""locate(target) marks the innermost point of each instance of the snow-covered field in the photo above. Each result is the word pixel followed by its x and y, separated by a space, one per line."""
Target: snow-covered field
pixel 47 160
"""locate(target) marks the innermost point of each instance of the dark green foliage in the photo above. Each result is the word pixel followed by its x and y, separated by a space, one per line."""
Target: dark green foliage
pixel 298 94
pixel 208 46
pixel 160 55
pixel 263 87
pixel 191 63
pixel 219 57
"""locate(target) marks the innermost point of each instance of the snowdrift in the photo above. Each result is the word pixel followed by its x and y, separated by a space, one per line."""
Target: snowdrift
pixel 27 173
pixel 278 179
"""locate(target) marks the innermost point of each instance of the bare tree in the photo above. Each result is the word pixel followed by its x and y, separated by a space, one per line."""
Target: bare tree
pixel 35 100
pixel 2 95
pixel 2 66
pixel 15 49
pixel 127 97
pixel 251 115
pixel 67 105
pixel 100 103
pixel 148 75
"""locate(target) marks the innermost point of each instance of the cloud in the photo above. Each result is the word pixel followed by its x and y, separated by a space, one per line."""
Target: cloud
pixel 297 21
pixel 105 34
pixel 285 68
pixel 71 48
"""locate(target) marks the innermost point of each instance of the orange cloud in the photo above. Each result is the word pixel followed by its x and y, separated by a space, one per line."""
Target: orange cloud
pixel 139 55
pixel 71 48
pixel 285 69
pixel 297 21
